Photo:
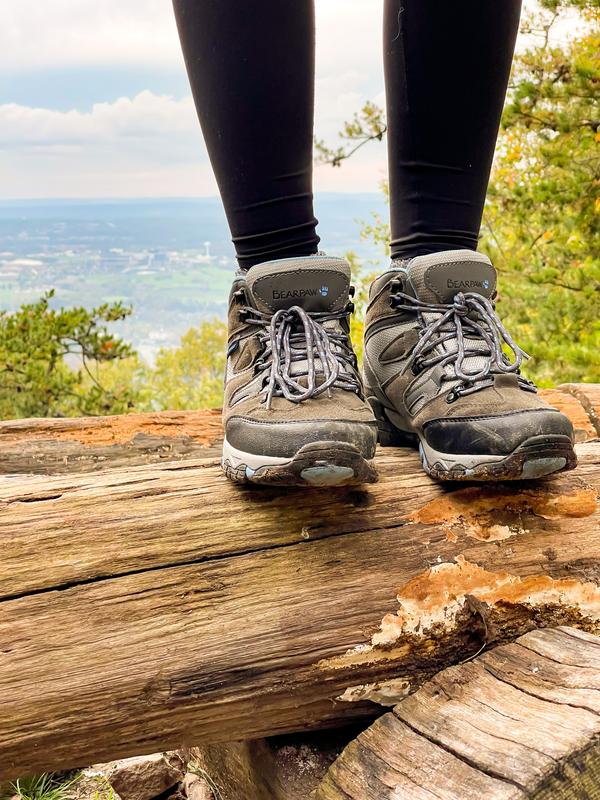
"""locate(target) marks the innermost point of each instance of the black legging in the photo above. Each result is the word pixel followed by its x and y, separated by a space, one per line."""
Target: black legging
pixel 251 68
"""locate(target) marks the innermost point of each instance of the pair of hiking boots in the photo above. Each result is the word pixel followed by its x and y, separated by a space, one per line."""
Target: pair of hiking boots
pixel 436 373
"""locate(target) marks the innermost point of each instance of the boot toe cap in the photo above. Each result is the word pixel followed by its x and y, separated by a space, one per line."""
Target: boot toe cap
pixel 496 434
pixel 284 439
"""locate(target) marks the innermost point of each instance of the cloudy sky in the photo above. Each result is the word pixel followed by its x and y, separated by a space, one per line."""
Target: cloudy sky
pixel 94 100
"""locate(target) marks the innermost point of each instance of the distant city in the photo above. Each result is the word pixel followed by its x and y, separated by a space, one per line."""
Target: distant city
pixel 172 260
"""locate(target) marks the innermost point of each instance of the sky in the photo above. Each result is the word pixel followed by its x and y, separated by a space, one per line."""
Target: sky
pixel 94 99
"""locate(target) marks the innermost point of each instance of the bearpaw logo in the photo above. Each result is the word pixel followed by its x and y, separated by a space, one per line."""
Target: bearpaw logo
pixel 468 284
pixel 282 294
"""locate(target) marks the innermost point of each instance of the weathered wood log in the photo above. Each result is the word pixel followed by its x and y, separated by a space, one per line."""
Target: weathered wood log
pixel 146 606
pixel 521 722
pixel 91 444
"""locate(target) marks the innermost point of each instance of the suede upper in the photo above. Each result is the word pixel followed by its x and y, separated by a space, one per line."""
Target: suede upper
pixel 432 400
pixel 320 285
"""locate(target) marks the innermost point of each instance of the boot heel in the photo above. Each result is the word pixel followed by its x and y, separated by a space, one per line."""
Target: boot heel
pixel 388 434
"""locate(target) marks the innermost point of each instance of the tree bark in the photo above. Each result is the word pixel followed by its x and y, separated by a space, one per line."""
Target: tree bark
pixel 521 722
pixel 93 444
pixel 155 604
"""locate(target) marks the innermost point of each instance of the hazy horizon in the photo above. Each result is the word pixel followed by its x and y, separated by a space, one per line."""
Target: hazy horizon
pixel 170 258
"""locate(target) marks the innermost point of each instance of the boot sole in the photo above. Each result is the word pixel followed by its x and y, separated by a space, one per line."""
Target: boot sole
pixel 318 464
pixel 535 457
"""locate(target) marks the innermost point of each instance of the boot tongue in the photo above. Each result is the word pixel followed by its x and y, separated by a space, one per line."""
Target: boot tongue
pixel 438 277
pixel 315 283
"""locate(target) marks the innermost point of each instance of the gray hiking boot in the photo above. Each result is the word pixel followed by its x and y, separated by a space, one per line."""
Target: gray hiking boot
pixel 436 373
pixel 294 410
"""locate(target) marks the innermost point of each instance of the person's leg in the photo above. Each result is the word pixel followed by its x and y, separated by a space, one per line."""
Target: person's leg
pixel 446 67
pixel 293 411
pixel 251 69
pixel 435 361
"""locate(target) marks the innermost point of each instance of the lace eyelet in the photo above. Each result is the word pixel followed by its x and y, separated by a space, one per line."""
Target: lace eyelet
pixel 350 308
pixel 242 315
pixel 396 285
pixel 416 368
pixel 352 291
pixel 452 396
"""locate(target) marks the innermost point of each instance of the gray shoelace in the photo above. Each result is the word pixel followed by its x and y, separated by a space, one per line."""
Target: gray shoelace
pixel 470 315
pixel 292 336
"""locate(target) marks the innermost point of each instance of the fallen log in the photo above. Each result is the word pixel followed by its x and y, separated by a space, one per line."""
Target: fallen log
pixel 91 444
pixel 521 722
pixel 155 604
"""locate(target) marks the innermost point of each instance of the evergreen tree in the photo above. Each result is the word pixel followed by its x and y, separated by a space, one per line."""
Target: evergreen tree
pixel 48 360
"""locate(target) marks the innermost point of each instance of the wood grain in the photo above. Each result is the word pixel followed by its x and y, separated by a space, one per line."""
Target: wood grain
pixel 92 444
pixel 150 603
pixel 159 605
pixel 510 725
pixel 588 395
pixel 63 530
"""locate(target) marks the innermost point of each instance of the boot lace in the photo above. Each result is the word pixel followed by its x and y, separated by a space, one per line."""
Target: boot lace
pixel 293 335
pixel 468 316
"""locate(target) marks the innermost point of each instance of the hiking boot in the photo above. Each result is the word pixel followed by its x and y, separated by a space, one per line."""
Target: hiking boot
pixel 294 411
pixel 436 373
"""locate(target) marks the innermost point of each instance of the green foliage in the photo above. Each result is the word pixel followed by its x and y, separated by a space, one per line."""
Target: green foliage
pixel 367 125
pixel 126 376
pixel 66 363
pixel 42 787
pixel 541 220
pixel 48 358
pixel 541 223
pixel 183 378
pixel 191 375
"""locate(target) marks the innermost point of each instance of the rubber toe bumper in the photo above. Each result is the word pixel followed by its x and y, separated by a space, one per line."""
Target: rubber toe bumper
pixel 285 439
pixel 494 435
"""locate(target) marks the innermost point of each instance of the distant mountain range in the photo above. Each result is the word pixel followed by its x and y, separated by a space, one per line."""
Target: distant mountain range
pixel 172 259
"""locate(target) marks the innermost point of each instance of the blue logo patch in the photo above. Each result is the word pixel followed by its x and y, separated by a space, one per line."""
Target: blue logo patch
pixel 486 284
pixel 324 291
